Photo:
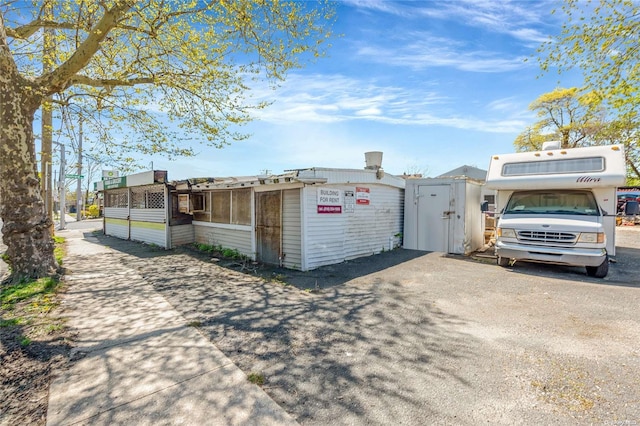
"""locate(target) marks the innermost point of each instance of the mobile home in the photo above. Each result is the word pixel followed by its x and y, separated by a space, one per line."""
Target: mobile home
pixel 558 205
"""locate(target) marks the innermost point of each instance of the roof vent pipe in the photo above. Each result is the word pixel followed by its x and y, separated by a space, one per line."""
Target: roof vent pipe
pixel 548 146
pixel 373 160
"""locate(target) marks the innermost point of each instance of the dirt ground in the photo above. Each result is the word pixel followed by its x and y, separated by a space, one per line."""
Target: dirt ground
pixel 410 338
pixel 404 337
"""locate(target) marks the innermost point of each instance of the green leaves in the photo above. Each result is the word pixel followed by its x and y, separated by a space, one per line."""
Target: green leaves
pixel 601 39
pixel 163 69
pixel 569 115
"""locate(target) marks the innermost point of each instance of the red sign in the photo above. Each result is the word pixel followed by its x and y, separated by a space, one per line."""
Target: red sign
pixel 362 196
pixel 329 209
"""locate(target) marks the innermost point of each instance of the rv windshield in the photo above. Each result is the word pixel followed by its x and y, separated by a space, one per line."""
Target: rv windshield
pixel 552 202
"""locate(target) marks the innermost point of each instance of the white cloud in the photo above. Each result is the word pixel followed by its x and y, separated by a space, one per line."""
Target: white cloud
pixel 334 99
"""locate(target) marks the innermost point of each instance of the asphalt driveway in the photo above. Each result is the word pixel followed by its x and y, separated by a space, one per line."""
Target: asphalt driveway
pixel 416 338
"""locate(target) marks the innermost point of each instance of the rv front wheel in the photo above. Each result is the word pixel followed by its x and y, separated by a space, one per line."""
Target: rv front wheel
pixel 503 261
pixel 599 271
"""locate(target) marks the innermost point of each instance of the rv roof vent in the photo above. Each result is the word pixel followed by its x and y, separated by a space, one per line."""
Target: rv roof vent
pixel 373 160
pixel 547 146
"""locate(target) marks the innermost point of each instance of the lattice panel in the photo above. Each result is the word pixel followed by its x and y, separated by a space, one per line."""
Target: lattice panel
pixel 155 200
pixel 147 197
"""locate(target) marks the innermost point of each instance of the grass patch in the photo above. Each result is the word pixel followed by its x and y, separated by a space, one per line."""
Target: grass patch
pixel 58 250
pixel 256 378
pixel 10 322
pixel 224 252
pixel 38 290
pixel 28 304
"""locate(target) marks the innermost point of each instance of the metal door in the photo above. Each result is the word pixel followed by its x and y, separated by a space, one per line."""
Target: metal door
pixel 433 217
pixel 268 226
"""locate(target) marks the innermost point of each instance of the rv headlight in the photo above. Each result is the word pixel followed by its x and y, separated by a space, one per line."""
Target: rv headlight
pixel 591 237
pixel 506 232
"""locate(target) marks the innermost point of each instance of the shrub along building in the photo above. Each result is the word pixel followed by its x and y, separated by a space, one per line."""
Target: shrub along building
pixel 302 219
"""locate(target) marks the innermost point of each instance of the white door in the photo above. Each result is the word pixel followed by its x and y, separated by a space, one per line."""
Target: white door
pixel 433 217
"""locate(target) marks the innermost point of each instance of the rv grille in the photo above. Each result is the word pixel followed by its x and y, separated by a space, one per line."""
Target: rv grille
pixel 547 237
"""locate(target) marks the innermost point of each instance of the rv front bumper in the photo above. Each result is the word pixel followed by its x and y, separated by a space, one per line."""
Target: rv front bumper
pixel 561 256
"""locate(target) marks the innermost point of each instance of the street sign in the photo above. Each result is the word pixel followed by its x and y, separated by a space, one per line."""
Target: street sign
pixel 74 176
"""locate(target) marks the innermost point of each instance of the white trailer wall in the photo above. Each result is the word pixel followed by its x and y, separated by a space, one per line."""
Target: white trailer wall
pixel 330 238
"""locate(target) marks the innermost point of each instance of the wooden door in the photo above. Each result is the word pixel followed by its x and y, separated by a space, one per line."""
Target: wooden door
pixel 269 226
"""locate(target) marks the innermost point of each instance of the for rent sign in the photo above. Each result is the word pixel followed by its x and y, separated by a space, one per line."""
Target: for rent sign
pixel 362 196
pixel 329 200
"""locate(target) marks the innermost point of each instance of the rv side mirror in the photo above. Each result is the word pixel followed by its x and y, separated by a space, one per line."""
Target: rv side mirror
pixel 484 206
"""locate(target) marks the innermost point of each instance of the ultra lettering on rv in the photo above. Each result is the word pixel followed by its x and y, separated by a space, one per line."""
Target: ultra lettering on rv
pixel 587 179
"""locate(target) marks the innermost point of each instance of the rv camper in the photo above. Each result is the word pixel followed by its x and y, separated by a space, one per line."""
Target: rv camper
pixel 558 205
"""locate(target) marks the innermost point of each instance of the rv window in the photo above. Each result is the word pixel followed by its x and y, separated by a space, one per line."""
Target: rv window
pixel 550 167
pixel 556 202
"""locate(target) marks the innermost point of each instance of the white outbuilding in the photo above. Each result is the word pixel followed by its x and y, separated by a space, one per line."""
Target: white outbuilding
pixel 301 219
pixel 443 215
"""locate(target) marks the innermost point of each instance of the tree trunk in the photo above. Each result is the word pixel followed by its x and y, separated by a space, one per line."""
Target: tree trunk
pixel 26 227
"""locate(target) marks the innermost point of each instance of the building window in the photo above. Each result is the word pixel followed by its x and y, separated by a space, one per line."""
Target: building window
pixel 117 198
pixel 231 206
pixel 197 202
pixel 220 209
pixel 491 199
pixel 241 207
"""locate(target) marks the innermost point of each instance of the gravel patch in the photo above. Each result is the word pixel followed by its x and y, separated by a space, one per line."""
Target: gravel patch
pixel 410 338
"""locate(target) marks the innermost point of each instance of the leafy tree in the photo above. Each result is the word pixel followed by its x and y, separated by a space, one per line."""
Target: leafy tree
pixel 625 131
pixel 565 115
pixel 120 61
pixel 600 38
pixel 577 120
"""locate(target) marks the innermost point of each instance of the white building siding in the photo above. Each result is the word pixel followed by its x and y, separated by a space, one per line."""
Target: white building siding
pixel 369 229
pixel 148 232
pixel 291 229
pixel 376 227
pixel 233 238
pixel 182 234
pixel 148 215
pixel 116 212
pixel 116 227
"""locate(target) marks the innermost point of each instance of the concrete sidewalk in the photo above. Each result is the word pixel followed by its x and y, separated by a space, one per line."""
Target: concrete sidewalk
pixel 137 361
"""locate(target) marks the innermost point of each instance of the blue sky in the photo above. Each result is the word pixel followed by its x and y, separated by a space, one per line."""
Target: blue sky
pixel 432 84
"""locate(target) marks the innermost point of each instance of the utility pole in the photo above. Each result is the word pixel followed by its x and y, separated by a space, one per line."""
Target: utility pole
pixel 61 187
pixel 79 188
pixel 48 58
